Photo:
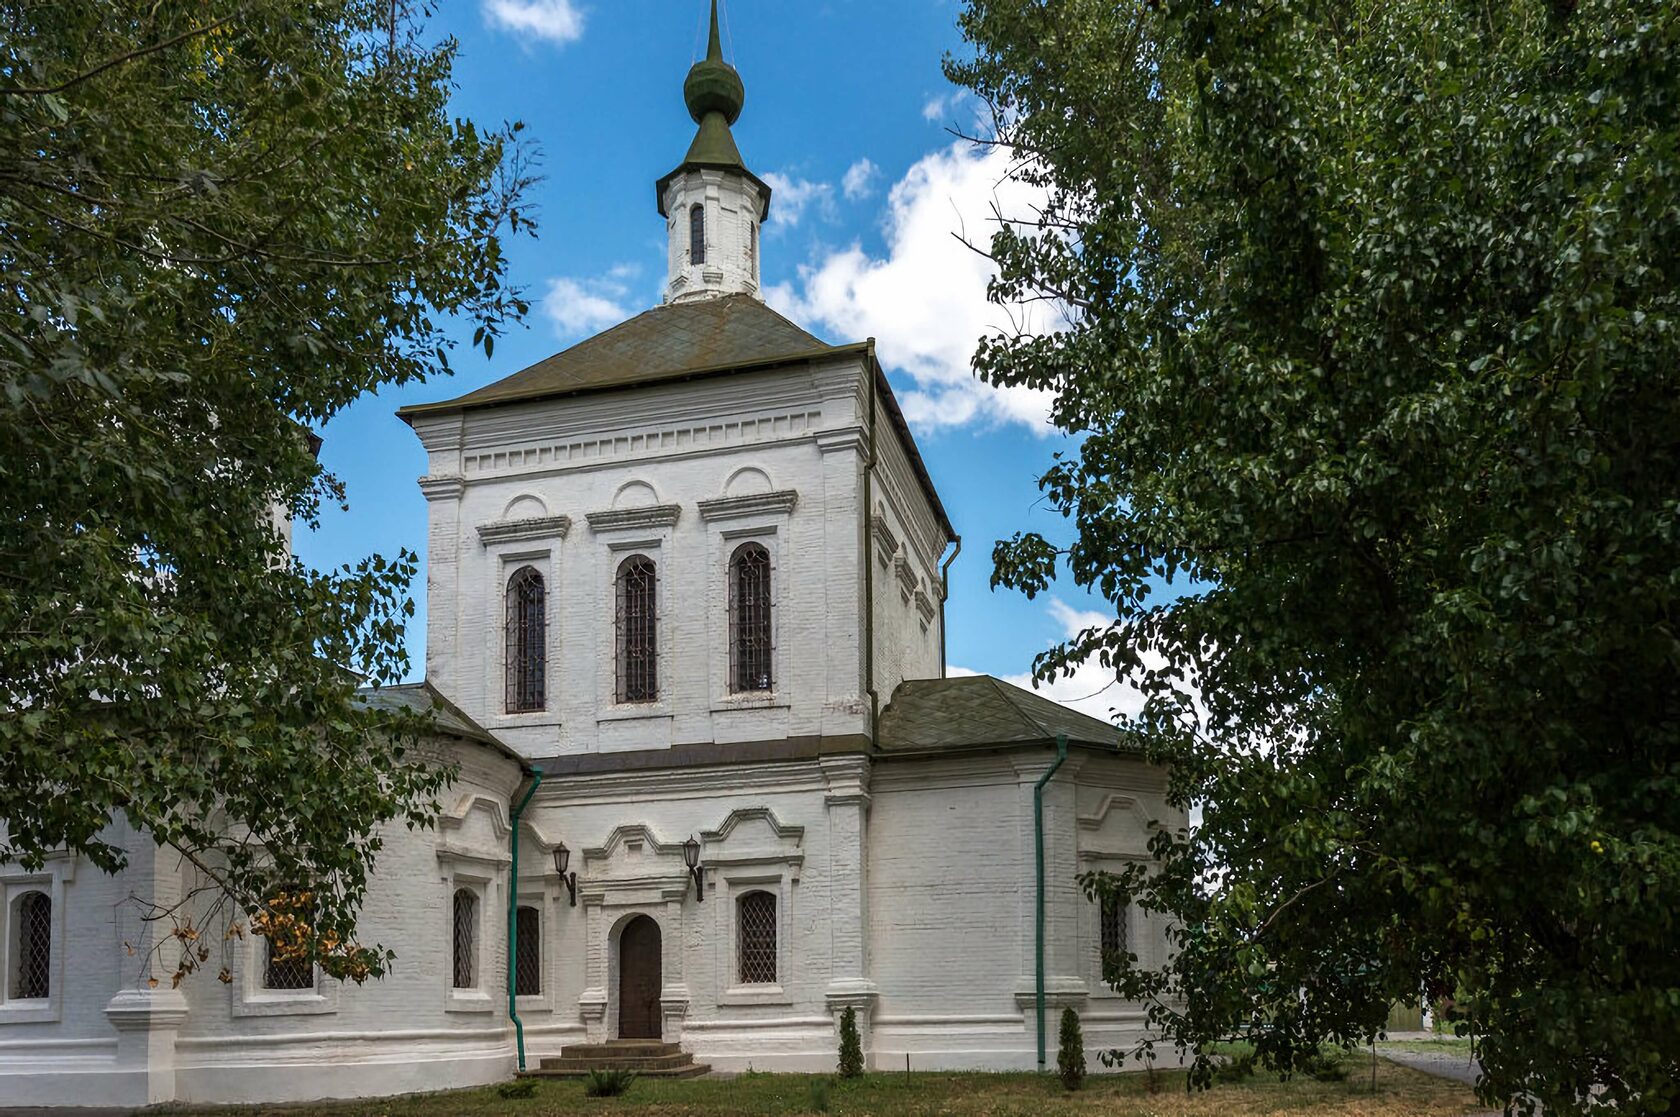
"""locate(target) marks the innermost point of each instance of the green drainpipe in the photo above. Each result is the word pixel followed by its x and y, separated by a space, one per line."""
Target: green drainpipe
pixel 513 924
pixel 1038 852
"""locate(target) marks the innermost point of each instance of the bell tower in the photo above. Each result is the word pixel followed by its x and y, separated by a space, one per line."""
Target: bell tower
pixel 712 205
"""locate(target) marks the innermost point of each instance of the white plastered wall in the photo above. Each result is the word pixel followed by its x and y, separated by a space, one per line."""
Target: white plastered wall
pixel 682 473
pixel 114 1040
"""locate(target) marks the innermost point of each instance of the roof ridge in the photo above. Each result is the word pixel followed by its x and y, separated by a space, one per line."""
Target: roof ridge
pixel 784 318
pixel 1029 721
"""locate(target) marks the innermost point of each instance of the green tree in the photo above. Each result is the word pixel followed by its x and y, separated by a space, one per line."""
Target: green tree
pixel 851 1046
pixel 1373 343
pixel 220 223
pixel 1070 1051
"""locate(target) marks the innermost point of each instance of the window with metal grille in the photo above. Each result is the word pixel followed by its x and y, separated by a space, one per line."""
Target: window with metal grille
pixel 32 947
pixel 527 970
pixel 1114 916
pixel 697 234
pixel 527 641
pixel 638 634
pixel 466 938
pixel 756 938
pixel 749 619
pixel 286 973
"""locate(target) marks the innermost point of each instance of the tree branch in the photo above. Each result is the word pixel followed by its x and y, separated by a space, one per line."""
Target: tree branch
pixel 129 56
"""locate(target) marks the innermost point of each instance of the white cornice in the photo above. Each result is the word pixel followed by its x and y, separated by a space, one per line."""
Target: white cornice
pixel 734 507
pixel 681 783
pixel 442 488
pixel 843 439
pixel 515 531
pixel 625 519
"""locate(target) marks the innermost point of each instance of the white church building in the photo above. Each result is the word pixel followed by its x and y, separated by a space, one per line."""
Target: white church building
pixel 685 636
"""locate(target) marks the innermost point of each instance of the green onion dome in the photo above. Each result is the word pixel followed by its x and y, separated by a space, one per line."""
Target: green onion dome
pixel 713 85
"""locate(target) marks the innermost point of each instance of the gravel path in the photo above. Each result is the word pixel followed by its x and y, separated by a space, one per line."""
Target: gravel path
pixel 1442 1064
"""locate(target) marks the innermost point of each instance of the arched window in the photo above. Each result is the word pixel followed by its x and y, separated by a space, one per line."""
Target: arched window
pixel 32 947
pixel 756 938
pixel 527 641
pixel 752 249
pixel 697 234
pixel 527 969
pixel 285 973
pixel 638 630
pixel 749 619
pixel 466 938
pixel 1113 926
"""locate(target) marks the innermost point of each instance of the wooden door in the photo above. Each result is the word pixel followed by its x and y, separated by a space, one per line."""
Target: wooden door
pixel 639 979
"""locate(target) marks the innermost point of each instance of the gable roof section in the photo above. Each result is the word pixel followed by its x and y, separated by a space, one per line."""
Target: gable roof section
pixel 979 711
pixel 669 342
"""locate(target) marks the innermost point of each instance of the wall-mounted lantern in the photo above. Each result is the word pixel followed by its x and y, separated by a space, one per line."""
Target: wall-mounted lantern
pixel 691 857
pixel 562 857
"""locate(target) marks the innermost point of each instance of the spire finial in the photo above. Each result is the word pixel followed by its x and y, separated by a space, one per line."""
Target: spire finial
pixel 714 45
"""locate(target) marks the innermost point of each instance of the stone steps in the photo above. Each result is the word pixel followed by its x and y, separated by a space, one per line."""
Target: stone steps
pixel 649 1058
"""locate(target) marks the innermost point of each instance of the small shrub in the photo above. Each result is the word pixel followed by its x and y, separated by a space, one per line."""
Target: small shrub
pixel 518 1089
pixel 820 1090
pixel 1239 1063
pixel 608 1083
pixel 851 1047
pixel 1070 1056
pixel 1325 1066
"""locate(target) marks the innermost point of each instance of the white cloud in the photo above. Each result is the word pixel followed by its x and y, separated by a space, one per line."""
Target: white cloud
pixel 944 108
pixel 579 307
pixel 925 301
pixel 558 21
pixel 1092 688
pixel 860 180
pixel 790 197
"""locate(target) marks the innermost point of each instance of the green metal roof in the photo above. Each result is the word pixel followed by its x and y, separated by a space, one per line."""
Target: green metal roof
pixel 979 711
pixel 424 698
pixel 666 343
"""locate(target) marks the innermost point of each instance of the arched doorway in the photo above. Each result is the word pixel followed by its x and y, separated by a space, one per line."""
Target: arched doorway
pixel 639 979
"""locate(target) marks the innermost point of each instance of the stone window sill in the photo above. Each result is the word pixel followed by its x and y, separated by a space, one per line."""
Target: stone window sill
pixel 286 1003
pixel 35 1010
pixel 469 1000
pixel 633 711
pixel 755 995
pixel 750 700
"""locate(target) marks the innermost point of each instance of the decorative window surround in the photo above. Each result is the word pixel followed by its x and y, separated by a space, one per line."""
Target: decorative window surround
pixel 505 560
pixel 1137 937
pixel 886 543
pixel 779 503
pixel 251 998
pixel 59 870
pixel 479 997
pixel 622 519
pixel 519 531
pixel 909 582
pixel 924 606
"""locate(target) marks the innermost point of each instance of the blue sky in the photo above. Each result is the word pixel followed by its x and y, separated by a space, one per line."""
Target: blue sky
pixel 846 117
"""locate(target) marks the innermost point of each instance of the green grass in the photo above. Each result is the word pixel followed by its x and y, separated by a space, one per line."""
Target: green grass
pixel 1400 1093
pixel 1446 1045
